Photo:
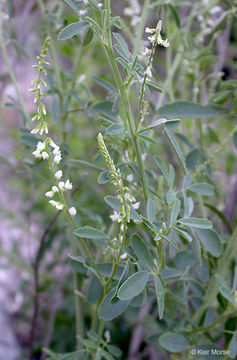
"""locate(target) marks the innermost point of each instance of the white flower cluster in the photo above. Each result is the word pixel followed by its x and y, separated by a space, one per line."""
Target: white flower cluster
pixel 47 149
pixel 118 217
pixel 208 20
pixel 133 11
pixel 156 38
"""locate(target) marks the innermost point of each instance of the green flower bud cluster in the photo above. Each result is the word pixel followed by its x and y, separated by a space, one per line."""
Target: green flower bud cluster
pixel 38 82
pixel 117 179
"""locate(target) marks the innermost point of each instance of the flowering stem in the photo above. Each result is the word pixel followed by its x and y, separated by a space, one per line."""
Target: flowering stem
pixel 141 27
pixel 143 87
pixel 12 74
pixel 85 247
pixel 53 50
pixel 124 98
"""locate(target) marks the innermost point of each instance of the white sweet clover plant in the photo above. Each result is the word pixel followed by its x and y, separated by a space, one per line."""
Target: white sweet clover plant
pixel 155 207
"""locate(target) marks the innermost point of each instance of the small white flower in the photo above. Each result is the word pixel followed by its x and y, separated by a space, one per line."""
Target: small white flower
pixel 149 30
pixel 107 336
pixel 52 143
pixel 135 20
pixel 49 194
pixel 148 72
pixel 45 155
pixel 68 185
pixel 143 157
pixel 53 203
pixel 57 158
pixel 59 174
pixel 83 12
pixel 56 150
pixel 44 109
pixel 130 178
pixel 37 154
pixel 124 256
pixel 81 78
pixel 61 185
pixel 41 145
pixel 136 205
pixel 54 189
pixel 34 131
pixel 215 9
pixel 72 211
pixel 100 4
pixel 146 51
pixel 59 206
pixel 56 204
pixel 115 216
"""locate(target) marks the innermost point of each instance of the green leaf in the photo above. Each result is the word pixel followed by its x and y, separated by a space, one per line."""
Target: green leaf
pixel 159 295
pixel 196 222
pixel 104 177
pixel 154 87
pixel 173 342
pixel 187 109
pixel 210 241
pixel 202 189
pixel 192 159
pixel 175 14
pixel 72 29
pixel 233 346
pixel 175 210
pixel 74 355
pixel 106 355
pixel 171 241
pixel 115 129
pixel 86 164
pixel 183 233
pixel 151 210
pixel 123 45
pixel 105 107
pixel 71 4
pixel 114 350
pixel 89 232
pixel 226 293
pixel 88 37
pixel 109 311
pixel 134 285
pixel 170 196
pixel 163 168
pixel 94 290
pixel 106 268
pixel 104 84
pixel 147 139
pixel 142 253
pixel 29 139
pixel 176 148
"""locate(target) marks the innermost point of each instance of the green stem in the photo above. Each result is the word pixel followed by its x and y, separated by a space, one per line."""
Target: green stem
pixel 12 75
pixel 142 23
pixel 124 98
